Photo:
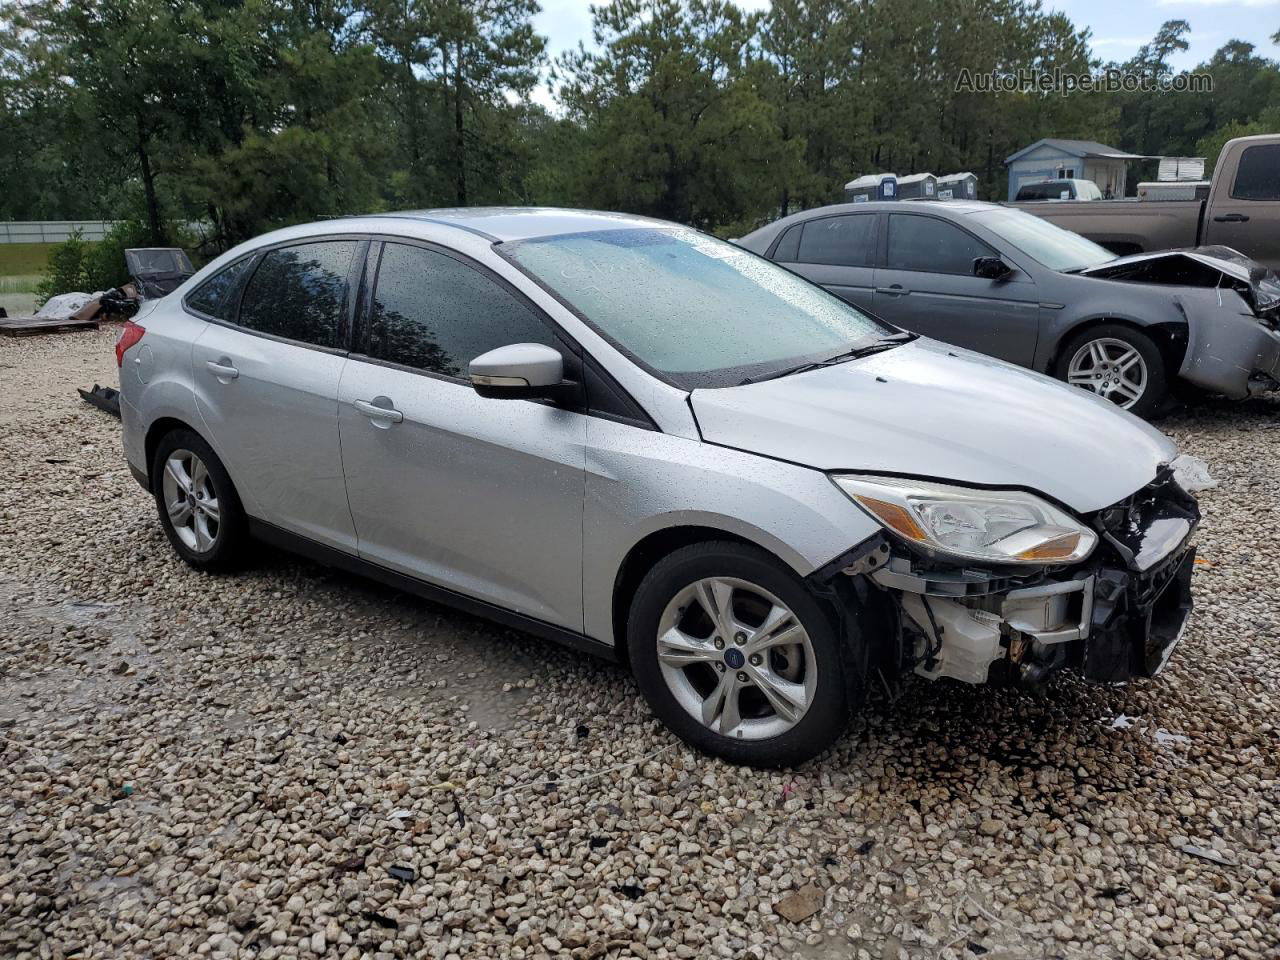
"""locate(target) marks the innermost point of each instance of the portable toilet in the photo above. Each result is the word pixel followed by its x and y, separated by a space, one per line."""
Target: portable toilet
pixel 918 186
pixel 958 186
pixel 874 186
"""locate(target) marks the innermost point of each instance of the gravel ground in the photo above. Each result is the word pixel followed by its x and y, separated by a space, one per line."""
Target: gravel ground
pixel 295 762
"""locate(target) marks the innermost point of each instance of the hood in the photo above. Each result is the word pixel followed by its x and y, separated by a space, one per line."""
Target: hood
pixel 926 409
pixel 1211 266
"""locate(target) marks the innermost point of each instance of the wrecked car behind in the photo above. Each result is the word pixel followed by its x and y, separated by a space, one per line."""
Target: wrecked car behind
pixel 1231 307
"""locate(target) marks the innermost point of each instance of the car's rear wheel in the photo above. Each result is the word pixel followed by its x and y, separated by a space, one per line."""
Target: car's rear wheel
pixel 1120 364
pixel 737 656
pixel 198 505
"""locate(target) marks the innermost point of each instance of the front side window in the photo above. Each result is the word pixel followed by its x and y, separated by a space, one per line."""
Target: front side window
pixel 1258 177
pixel 700 311
pixel 434 313
pixel 932 245
pixel 216 296
pixel 838 241
pixel 300 292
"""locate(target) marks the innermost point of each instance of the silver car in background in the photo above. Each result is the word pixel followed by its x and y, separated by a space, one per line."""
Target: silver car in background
pixel 648 443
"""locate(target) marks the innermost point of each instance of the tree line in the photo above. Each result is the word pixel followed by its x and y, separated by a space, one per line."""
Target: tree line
pixel 245 115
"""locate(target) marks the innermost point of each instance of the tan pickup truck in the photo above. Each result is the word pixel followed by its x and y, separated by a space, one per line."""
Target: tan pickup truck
pixel 1242 210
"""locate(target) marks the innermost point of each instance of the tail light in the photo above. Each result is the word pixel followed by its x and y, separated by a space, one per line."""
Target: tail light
pixel 130 334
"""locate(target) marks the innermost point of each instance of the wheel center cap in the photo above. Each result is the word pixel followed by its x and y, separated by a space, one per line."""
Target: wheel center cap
pixel 733 658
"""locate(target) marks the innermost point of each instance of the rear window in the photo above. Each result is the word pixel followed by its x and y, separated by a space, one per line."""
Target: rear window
pixel 300 292
pixel 216 296
pixel 838 241
pixel 1258 177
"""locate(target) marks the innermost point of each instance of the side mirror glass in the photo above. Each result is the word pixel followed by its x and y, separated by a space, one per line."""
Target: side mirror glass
pixel 991 268
pixel 518 371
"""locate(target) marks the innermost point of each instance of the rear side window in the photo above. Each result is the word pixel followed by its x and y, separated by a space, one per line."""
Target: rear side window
pixel 216 296
pixel 839 241
pixel 932 245
pixel 1258 177
pixel 437 314
pixel 300 292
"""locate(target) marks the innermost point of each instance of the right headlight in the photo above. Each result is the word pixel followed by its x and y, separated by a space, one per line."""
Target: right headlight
pixel 997 526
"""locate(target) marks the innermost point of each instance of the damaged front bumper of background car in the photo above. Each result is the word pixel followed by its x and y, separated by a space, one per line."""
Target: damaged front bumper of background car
pixel 1231 306
pixel 1113 616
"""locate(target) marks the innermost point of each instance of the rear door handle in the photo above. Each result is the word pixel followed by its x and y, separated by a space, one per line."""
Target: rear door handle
pixel 897 290
pixel 1231 218
pixel 375 412
pixel 222 369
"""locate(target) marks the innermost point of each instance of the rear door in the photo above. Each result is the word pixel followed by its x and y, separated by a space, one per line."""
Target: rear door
pixel 1246 213
pixel 267 387
pixel 481 496
pixel 927 285
pixel 836 252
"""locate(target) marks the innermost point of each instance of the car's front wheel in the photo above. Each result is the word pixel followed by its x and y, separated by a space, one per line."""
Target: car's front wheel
pixel 738 657
pixel 198 505
pixel 1118 363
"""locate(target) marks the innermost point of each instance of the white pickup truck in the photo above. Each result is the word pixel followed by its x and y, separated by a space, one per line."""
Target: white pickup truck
pixel 1241 212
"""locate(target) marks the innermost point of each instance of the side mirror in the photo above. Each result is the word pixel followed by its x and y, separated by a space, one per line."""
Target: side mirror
pixel 518 371
pixel 991 268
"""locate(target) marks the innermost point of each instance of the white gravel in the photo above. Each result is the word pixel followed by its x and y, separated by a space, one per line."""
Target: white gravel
pixel 294 762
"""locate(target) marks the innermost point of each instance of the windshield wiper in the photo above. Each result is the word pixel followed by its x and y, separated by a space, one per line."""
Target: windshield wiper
pixel 876 346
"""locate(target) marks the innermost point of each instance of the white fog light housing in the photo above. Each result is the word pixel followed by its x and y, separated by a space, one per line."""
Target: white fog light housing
pixel 996 526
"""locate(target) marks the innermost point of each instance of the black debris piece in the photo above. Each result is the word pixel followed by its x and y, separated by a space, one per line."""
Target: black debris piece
pixel 631 891
pixel 104 398
pixel 385 922
pixel 403 874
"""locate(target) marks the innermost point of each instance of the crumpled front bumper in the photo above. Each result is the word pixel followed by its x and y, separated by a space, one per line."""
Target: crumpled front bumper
pixel 1115 617
pixel 1229 350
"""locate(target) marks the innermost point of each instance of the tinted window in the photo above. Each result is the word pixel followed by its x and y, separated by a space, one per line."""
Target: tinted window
pixel 216 296
pixel 1259 175
pixel 788 247
pixel 300 292
pixel 437 314
pixel 924 243
pixel 841 241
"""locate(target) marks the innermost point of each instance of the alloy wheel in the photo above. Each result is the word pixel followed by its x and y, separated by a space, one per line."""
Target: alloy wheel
pixel 736 658
pixel 191 500
pixel 1110 368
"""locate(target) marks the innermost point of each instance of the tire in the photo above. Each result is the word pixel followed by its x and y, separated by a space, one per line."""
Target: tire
pixel 695 671
pixel 213 540
pixel 1118 363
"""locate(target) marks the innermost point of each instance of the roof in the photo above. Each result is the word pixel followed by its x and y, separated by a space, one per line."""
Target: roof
pixel 521 223
pixel 1077 148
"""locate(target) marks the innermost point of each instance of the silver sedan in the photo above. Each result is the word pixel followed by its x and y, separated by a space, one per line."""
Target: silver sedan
pixel 644 442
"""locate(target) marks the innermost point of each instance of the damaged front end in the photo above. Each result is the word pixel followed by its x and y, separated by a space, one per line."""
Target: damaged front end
pixel 1231 305
pixel 1114 616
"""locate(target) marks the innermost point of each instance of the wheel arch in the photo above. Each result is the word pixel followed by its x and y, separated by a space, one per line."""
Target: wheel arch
pixel 650 549
pixel 1170 337
pixel 158 430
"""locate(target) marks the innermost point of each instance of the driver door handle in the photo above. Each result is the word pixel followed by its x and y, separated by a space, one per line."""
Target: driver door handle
pixel 1231 218
pixel 375 412
pixel 896 290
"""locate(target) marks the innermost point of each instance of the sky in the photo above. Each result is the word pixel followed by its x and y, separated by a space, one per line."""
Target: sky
pixel 1118 28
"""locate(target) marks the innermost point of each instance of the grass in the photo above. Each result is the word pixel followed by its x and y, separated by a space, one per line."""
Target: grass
pixel 23 259
pixel 25 284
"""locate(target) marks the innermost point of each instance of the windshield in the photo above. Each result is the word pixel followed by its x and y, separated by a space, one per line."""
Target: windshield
pixel 1045 242
pixel 699 311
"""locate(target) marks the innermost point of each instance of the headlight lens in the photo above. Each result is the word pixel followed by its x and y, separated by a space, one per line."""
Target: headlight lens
pixel 998 526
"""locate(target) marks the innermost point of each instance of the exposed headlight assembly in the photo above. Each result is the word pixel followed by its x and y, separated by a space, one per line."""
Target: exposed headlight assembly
pixel 997 526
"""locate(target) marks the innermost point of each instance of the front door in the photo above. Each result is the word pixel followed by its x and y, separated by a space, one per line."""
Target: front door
pixel 267 389
pixel 927 285
pixel 481 496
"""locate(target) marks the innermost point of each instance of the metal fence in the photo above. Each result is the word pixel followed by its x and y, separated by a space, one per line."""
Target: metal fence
pixel 52 231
